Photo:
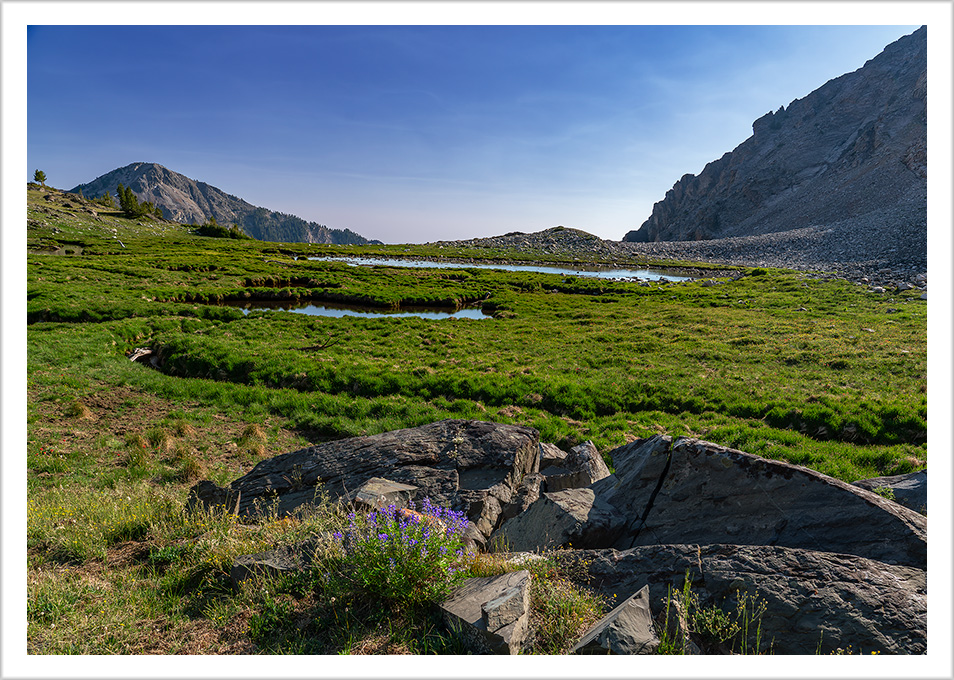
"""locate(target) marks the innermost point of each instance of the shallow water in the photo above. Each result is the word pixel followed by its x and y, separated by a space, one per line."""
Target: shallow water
pixel 594 272
pixel 329 309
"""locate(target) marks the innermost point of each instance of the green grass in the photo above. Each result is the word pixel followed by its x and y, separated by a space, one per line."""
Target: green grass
pixel 775 363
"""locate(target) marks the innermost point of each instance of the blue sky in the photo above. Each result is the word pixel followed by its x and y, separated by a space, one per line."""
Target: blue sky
pixel 422 133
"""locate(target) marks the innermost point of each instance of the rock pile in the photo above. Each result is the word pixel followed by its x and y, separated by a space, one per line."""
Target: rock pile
pixel 873 250
pixel 464 465
pixel 834 563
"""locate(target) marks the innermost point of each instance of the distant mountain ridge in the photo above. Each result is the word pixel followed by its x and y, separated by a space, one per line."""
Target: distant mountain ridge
pixel 854 149
pixel 188 201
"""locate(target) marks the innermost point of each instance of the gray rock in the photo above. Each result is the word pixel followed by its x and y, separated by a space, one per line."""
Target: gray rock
pixel 282 560
pixel 691 491
pixel 490 614
pixel 559 478
pixel 467 465
pixel 550 454
pixel 909 490
pixel 580 468
pixel 571 517
pixel 815 602
pixel 527 493
pixel 606 488
pixel 473 538
pixel 508 607
pixel 377 493
pixel 628 629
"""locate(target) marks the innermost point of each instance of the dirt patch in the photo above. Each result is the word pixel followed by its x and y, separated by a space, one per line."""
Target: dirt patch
pixel 510 411
pixel 193 637
pixel 126 554
pixel 107 422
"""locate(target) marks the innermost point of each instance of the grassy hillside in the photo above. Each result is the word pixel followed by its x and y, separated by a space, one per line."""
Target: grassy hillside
pixel 776 363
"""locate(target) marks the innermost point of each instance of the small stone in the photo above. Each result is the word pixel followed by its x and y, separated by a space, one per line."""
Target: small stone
pixel 628 629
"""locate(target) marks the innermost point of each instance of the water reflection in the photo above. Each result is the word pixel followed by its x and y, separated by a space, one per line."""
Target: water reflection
pixel 331 309
pixel 594 272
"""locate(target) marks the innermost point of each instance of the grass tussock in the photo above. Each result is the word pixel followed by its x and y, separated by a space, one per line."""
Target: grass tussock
pixel 77 409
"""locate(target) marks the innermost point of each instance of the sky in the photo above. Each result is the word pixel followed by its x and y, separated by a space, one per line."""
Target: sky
pixel 412 133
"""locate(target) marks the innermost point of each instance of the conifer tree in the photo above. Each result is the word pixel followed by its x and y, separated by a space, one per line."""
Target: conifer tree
pixel 130 205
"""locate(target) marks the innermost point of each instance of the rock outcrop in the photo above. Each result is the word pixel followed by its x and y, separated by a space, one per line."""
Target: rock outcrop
pixel 815 602
pixel 834 564
pixel 579 468
pixel 466 465
pixel 185 200
pixel 691 491
pixel 573 517
pixel 853 150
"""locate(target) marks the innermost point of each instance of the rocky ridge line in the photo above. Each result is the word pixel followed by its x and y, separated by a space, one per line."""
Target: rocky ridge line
pixel 855 148
pixel 862 251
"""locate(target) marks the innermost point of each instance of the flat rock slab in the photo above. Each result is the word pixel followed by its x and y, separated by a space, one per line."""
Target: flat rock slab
pixel 814 601
pixel 628 629
pixel 286 559
pixel 455 463
pixel 691 491
pixel 909 490
pixel 490 614
pixel 572 517
pixel 378 492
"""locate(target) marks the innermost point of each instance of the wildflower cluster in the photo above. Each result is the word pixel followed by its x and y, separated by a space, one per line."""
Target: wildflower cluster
pixel 405 555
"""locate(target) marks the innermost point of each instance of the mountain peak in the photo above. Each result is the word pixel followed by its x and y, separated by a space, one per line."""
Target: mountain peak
pixel 855 148
pixel 192 202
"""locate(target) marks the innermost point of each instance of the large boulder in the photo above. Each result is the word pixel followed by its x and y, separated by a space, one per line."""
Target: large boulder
pixel 814 602
pixel 574 517
pixel 691 491
pixel 526 495
pixel 466 465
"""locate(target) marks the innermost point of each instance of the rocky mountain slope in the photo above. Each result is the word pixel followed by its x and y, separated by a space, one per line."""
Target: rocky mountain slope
pixel 852 249
pixel 185 200
pixel 853 151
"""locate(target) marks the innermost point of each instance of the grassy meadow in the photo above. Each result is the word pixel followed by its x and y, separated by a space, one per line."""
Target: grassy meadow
pixel 777 363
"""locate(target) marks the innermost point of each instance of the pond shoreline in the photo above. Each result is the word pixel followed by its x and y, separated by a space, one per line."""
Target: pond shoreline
pixel 579 268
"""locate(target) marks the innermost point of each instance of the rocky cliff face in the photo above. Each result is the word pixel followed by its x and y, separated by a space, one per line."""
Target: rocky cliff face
pixel 186 200
pixel 854 149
